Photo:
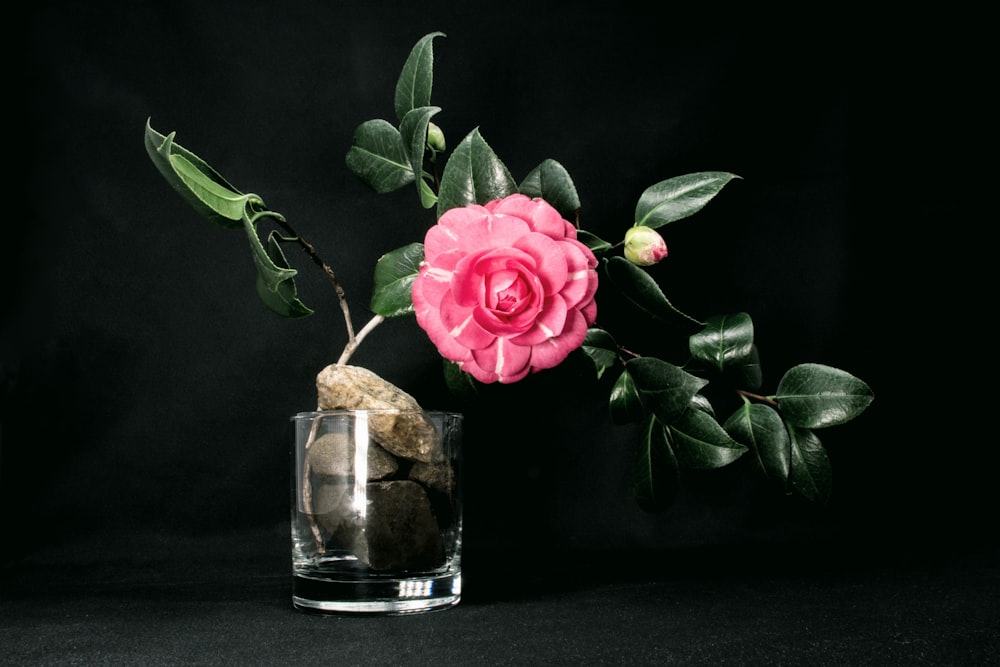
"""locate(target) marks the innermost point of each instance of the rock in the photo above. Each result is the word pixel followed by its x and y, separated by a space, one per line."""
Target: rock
pixel 401 532
pixel 332 455
pixel 436 476
pixel 406 434
pixel 331 504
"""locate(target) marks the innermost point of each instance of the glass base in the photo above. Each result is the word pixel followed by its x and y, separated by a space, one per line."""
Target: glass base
pixel 390 595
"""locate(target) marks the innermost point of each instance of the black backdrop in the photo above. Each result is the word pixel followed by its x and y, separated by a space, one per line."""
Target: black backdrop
pixel 146 393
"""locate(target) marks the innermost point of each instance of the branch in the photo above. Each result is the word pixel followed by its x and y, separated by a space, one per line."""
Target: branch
pixel 311 251
pixel 353 343
pixel 757 397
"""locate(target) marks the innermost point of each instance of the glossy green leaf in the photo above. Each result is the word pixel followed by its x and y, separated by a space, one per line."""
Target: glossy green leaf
pixel 817 396
pixel 377 156
pixel 655 470
pixel 416 80
pixel 639 288
pixel 600 348
pixel 395 272
pixel 726 340
pixel 459 383
pixel 413 134
pixel 809 471
pixel 666 390
pixel 473 175
pixel 761 428
pixel 748 374
pixel 701 402
pixel 679 197
pixel 700 442
pixel 598 246
pixel 625 405
pixel 275 285
pixel 552 182
pixel 211 195
pixel 428 198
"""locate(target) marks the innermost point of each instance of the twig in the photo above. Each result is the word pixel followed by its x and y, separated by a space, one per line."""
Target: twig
pixel 353 343
pixel 757 397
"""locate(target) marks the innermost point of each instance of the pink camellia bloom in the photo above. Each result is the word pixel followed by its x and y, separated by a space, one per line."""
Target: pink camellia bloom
pixel 505 289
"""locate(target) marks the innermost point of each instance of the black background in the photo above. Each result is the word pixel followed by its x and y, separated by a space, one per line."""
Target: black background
pixel 146 392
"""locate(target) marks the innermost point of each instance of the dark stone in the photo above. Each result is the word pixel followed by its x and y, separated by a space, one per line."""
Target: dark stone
pixel 401 531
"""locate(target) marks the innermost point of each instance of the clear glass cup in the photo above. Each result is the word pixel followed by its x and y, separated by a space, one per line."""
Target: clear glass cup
pixel 376 511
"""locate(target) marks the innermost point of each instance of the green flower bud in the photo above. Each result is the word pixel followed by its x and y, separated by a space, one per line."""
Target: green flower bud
pixel 435 138
pixel 644 246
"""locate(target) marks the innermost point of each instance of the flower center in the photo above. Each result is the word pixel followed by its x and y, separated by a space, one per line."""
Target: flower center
pixel 507 291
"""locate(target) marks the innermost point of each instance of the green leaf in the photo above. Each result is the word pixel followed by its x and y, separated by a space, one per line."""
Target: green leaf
pixel 413 88
pixel 666 390
pixel 473 175
pixel 395 272
pixel 413 134
pixel 809 472
pixel 552 182
pixel 377 156
pixel 597 245
pixel 679 197
pixel 624 403
pixel 459 383
pixel 726 340
pixel 275 285
pixel 700 442
pixel 761 428
pixel 639 288
pixel 211 195
pixel 655 471
pixel 601 349
pixel 748 374
pixel 700 402
pixel 817 396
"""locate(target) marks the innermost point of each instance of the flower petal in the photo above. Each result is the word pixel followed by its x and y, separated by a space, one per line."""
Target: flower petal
pixel 553 351
pixel 503 360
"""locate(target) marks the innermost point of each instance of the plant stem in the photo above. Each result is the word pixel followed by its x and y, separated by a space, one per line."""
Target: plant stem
pixel 354 341
pixel 311 251
pixel 757 397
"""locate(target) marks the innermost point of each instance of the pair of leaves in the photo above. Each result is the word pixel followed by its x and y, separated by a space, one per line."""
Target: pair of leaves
pixel 221 203
pixel 694 440
pixel 781 434
pixel 386 157
pixel 792 457
pixel 678 431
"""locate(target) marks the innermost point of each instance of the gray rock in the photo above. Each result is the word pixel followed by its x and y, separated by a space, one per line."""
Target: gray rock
pixel 332 455
pixel 407 434
pixel 331 504
pixel 436 476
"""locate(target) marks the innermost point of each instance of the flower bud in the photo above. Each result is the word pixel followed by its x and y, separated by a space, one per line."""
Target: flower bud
pixel 644 246
pixel 435 137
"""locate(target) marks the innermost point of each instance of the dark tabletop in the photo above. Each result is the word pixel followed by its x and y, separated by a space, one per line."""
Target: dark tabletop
pixel 199 601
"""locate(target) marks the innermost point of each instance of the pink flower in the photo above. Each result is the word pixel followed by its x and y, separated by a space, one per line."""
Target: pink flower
pixel 505 289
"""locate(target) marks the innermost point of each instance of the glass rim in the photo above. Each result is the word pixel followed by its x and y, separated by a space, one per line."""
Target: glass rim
pixel 347 412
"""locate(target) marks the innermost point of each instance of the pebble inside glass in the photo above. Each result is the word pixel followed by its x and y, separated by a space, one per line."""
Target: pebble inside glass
pixel 376 511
